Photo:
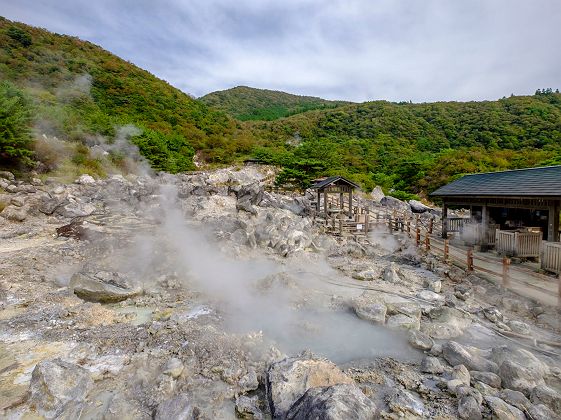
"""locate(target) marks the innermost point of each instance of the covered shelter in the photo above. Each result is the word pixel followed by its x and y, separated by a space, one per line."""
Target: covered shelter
pixel 522 199
pixel 336 186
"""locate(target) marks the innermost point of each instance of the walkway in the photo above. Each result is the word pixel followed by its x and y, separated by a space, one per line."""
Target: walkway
pixel 523 278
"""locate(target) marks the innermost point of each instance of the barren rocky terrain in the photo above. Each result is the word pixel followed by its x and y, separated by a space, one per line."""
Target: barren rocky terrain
pixel 204 296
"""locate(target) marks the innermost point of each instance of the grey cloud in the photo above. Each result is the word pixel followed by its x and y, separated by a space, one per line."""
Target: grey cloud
pixel 354 49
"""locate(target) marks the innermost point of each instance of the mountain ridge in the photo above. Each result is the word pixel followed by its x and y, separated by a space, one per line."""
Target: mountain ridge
pixel 248 103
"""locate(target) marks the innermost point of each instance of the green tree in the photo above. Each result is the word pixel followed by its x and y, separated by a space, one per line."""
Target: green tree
pixel 19 35
pixel 15 126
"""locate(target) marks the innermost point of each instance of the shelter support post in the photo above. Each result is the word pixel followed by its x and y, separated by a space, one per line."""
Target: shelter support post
pixel 350 204
pixel 484 224
pixel 445 221
pixel 553 223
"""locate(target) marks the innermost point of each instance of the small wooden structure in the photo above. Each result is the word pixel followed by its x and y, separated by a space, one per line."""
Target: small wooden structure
pixel 339 188
pixel 334 208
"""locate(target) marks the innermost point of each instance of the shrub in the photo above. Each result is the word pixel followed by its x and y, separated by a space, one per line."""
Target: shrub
pixel 15 126
pixel 19 35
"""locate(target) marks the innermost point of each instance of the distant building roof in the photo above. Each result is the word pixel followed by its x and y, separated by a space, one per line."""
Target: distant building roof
pixel 530 182
pixel 322 183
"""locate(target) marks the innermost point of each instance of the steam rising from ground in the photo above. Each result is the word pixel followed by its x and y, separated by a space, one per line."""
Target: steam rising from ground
pixel 290 303
pixel 116 155
pixel 380 237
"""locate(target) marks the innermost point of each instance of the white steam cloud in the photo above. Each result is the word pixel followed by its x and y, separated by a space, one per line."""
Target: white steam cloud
pixel 289 303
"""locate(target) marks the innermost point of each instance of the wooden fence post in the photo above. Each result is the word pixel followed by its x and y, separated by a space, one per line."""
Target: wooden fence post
pixel 408 228
pixel 390 224
pixel 430 226
pixel 418 236
pixel 446 250
pixel 470 259
pixel 559 290
pixel 506 267
pixel 427 242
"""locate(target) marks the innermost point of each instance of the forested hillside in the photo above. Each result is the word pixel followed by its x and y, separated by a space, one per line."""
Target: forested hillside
pixel 414 148
pixel 76 91
pixel 61 97
pixel 245 103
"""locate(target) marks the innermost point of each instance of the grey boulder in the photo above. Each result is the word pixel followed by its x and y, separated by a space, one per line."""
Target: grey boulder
pixel 14 213
pixel 177 408
pixel 469 408
pixel 103 286
pixel 503 411
pixel 418 207
pixel 542 412
pixel 335 402
pixel 420 340
pixel 456 354
pixel 290 378
pixel 56 384
pixel 542 394
pixel 487 378
pixel 431 365
pixel 405 404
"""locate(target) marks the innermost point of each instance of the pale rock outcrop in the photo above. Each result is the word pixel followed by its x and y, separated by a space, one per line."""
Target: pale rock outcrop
pixel 55 385
pixel 503 411
pixel 344 401
pixel 456 354
pixel 289 379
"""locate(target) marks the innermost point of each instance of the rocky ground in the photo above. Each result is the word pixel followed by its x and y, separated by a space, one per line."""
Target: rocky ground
pixel 204 296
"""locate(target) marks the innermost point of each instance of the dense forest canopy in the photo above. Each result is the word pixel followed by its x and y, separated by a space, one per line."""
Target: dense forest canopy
pixel 246 103
pixel 414 148
pixel 59 86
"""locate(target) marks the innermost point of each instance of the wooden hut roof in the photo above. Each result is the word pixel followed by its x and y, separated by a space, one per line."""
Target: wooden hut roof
pixel 530 182
pixel 320 184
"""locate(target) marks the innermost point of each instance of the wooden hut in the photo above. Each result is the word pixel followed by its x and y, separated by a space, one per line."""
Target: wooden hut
pixel 507 205
pixel 334 195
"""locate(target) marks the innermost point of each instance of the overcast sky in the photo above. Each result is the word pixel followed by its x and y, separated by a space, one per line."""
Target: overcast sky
pixel 420 50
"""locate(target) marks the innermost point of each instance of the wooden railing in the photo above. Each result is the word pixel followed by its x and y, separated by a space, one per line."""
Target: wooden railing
pixel 474 234
pixel 339 220
pixel 456 224
pixel 550 258
pixel 518 244
pixel 491 234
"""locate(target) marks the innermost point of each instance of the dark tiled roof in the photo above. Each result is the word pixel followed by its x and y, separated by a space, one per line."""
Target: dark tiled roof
pixel 331 180
pixel 534 182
